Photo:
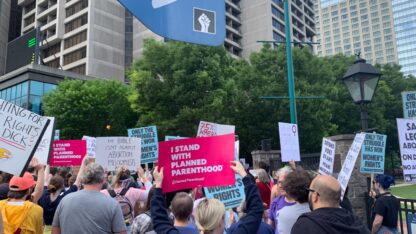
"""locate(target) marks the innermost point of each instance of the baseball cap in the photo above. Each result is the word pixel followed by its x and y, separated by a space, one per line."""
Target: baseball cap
pixel 21 183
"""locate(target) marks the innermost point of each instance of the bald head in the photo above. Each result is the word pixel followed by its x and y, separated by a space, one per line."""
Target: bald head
pixel 329 190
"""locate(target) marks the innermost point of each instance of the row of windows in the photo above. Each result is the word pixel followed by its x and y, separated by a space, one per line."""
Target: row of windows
pixel 76 39
pixel 76 7
pixel 52 50
pixel 76 23
pixel 75 56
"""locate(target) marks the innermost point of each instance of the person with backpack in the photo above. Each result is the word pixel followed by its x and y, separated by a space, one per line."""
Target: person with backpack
pixel 143 224
pixel 126 195
pixel 19 214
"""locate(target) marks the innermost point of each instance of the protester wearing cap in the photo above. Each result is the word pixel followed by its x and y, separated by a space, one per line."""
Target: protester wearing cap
pixel 327 217
pixel 19 214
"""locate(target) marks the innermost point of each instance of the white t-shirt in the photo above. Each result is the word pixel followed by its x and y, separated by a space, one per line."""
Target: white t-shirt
pixel 288 216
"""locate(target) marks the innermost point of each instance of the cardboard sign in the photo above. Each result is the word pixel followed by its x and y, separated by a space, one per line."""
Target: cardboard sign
pixel 231 196
pixel 409 104
pixel 372 153
pixel 194 162
pixel 68 152
pixel 289 142
pixel 20 134
pixel 349 163
pixel 91 143
pixel 114 152
pixel 326 164
pixel 149 144
pixel 407 141
pixel 57 134
pixel 206 129
pixel 172 138
pixel 44 148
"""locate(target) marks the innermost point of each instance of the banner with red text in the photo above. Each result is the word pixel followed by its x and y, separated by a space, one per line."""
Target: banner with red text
pixel 194 162
pixel 68 152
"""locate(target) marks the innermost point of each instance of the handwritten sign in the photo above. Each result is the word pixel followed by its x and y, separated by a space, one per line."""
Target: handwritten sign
pixel 349 163
pixel 407 141
pixel 409 104
pixel 326 164
pixel 372 153
pixel 231 195
pixel 44 148
pixel 194 162
pixel 91 143
pixel 68 152
pixel 20 134
pixel 113 152
pixel 149 144
pixel 289 142
pixel 213 129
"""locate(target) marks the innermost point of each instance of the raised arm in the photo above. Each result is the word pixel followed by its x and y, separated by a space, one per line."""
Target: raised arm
pixel 85 161
pixel 40 168
pixel 159 213
pixel 251 222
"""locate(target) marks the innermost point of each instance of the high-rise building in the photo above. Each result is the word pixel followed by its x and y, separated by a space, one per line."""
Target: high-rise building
pixel 351 26
pixel 4 32
pixel 249 21
pixel 264 20
pixel 83 36
pixel 404 12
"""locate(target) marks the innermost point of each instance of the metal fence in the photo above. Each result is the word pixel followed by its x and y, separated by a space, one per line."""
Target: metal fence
pixel 407 207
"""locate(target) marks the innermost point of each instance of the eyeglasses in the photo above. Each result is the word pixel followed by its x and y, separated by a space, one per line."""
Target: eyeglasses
pixel 312 190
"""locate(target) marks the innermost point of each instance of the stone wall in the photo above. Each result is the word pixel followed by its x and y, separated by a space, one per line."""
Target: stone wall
pixel 357 186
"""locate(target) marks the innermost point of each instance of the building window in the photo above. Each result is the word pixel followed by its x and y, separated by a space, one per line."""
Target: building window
pixel 76 7
pixel 75 56
pixel 79 69
pixel 54 63
pixel 29 20
pixel 76 23
pixel 76 39
pixel 52 50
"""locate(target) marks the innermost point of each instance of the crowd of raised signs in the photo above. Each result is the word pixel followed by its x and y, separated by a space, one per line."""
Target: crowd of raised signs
pixel 59 200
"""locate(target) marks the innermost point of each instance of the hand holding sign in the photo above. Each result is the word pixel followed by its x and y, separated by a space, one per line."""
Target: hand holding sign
pixel 238 168
pixel 158 175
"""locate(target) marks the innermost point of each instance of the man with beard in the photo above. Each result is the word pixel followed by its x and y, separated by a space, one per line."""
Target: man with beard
pixel 326 215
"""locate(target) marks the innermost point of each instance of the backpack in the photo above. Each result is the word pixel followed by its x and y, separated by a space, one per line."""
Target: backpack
pixel 126 207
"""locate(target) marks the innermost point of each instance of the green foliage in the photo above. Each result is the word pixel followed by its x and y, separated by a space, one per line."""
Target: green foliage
pixel 175 85
pixel 87 107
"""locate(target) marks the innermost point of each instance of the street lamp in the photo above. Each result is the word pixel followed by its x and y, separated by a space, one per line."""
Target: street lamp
pixel 361 80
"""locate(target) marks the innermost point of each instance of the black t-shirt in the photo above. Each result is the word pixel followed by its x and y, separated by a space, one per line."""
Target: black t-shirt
pixel 4 189
pixel 388 207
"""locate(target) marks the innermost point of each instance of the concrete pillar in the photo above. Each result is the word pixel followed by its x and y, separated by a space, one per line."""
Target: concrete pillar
pixel 358 181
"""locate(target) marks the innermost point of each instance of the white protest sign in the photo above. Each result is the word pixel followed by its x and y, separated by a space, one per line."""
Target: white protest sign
pixel 289 142
pixel 206 129
pixel 45 146
pixel 114 152
pixel 407 141
pixel 91 143
pixel 349 163
pixel 20 135
pixel 326 164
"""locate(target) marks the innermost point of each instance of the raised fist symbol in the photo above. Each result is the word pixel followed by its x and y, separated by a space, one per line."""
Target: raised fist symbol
pixel 204 21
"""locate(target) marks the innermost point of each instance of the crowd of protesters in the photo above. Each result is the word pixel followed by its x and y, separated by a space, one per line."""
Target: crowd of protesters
pixel 56 200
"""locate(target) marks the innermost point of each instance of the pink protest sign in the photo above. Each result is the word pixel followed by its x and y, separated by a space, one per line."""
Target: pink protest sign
pixel 68 152
pixel 194 162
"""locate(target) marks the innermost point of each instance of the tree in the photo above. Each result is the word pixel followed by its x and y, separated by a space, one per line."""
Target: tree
pixel 93 107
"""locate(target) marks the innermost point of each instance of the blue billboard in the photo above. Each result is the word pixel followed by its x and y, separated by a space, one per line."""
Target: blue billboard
pixel 194 21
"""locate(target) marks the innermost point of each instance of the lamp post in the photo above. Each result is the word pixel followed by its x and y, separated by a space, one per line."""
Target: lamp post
pixel 361 80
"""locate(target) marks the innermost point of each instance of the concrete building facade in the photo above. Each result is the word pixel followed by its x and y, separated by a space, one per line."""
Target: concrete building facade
pixel 82 36
pixel 404 12
pixel 351 26
pixel 4 32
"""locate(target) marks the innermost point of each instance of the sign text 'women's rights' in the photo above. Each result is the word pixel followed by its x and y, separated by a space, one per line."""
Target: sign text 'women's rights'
pixel 194 162
pixel 149 142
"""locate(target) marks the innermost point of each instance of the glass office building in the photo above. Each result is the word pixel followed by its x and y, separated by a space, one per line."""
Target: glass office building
pixel 404 12
pixel 27 94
